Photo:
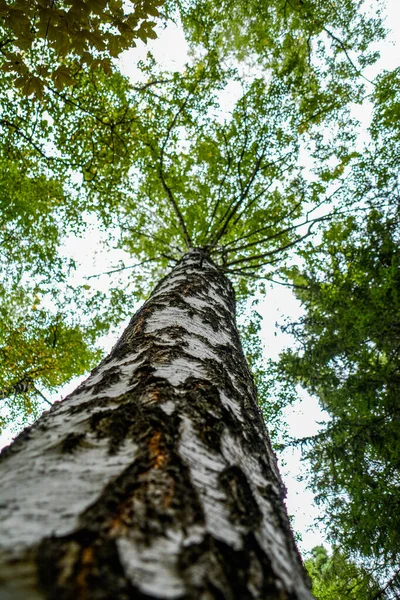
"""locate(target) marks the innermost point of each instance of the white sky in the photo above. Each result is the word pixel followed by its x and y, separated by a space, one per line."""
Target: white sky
pixel 170 50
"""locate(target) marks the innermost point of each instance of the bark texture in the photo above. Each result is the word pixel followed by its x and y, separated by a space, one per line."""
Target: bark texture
pixel 155 478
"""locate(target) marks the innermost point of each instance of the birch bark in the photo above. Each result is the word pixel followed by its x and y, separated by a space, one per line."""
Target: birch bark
pixel 155 478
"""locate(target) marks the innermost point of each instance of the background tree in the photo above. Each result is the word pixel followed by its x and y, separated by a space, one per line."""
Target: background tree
pixel 337 577
pixel 348 353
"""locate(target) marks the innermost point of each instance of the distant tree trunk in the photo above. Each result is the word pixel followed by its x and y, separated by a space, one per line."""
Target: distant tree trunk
pixel 156 477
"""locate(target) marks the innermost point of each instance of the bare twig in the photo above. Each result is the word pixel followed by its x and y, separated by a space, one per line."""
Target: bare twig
pixel 123 268
pixel 166 188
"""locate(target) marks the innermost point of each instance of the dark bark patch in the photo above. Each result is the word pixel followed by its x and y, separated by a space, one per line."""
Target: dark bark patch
pixel 174 332
pixel 218 375
pixel 109 378
pixel 269 476
pixel 208 415
pixel 89 405
pixel 229 574
pixel 210 317
pixel 81 567
pixel 194 285
pixel 114 424
pixel 155 491
pixel 72 442
pixel 173 299
pixel 243 506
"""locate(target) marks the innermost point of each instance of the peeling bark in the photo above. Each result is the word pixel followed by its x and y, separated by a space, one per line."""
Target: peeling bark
pixel 156 477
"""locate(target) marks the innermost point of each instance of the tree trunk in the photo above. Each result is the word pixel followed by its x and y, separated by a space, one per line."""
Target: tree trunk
pixel 156 477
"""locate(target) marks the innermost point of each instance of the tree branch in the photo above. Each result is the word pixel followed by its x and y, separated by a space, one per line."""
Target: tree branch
pixel 166 188
pixel 241 199
pixel 26 138
pixel 124 267
pixel 345 50
pixel 280 249
pixel 228 167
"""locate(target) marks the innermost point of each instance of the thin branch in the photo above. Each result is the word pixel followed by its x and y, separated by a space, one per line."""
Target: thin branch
pixel 345 50
pixel 5 43
pixel 26 138
pixel 228 167
pixel 245 270
pixel 21 387
pixel 142 88
pixel 239 162
pixel 167 189
pixel 277 234
pixel 244 146
pixel 281 249
pixel 285 283
pixel 241 199
pixel 152 237
pixel 252 201
pixel 123 268
pixel 42 396
pixel 77 105
pixel 387 586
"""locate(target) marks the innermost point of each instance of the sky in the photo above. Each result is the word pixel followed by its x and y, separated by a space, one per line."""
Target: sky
pixel 279 303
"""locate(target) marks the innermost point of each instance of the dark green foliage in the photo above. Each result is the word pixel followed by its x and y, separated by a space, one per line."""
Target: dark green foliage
pixel 348 352
pixel 349 357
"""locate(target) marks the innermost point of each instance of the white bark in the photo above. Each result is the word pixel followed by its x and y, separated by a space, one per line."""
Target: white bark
pixel 159 462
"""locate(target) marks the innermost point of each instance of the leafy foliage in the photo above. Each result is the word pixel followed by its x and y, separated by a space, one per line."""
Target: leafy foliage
pixel 40 208
pixel 336 577
pixel 349 357
pixel 48 42
pixel 319 49
pixel 40 350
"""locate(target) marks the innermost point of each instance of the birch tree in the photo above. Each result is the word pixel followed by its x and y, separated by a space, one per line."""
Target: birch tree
pixel 155 478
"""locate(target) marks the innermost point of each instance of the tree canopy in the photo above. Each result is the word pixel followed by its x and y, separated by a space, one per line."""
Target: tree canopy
pixel 348 351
